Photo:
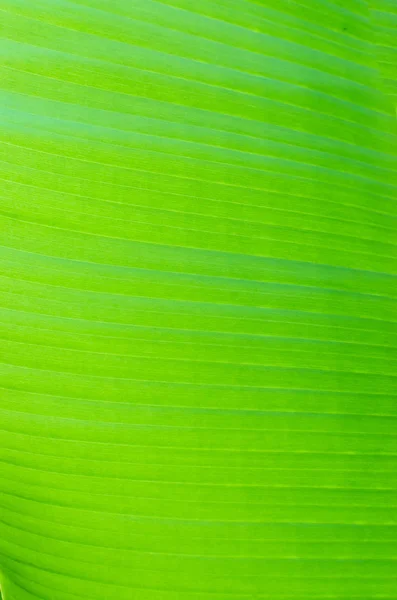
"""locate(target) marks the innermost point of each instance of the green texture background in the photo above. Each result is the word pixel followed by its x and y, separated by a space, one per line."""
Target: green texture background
pixel 197 300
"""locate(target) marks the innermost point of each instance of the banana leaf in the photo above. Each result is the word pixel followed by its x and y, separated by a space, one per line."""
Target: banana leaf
pixel 197 300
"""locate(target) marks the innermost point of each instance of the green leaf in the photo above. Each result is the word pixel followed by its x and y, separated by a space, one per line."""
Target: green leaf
pixel 197 300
